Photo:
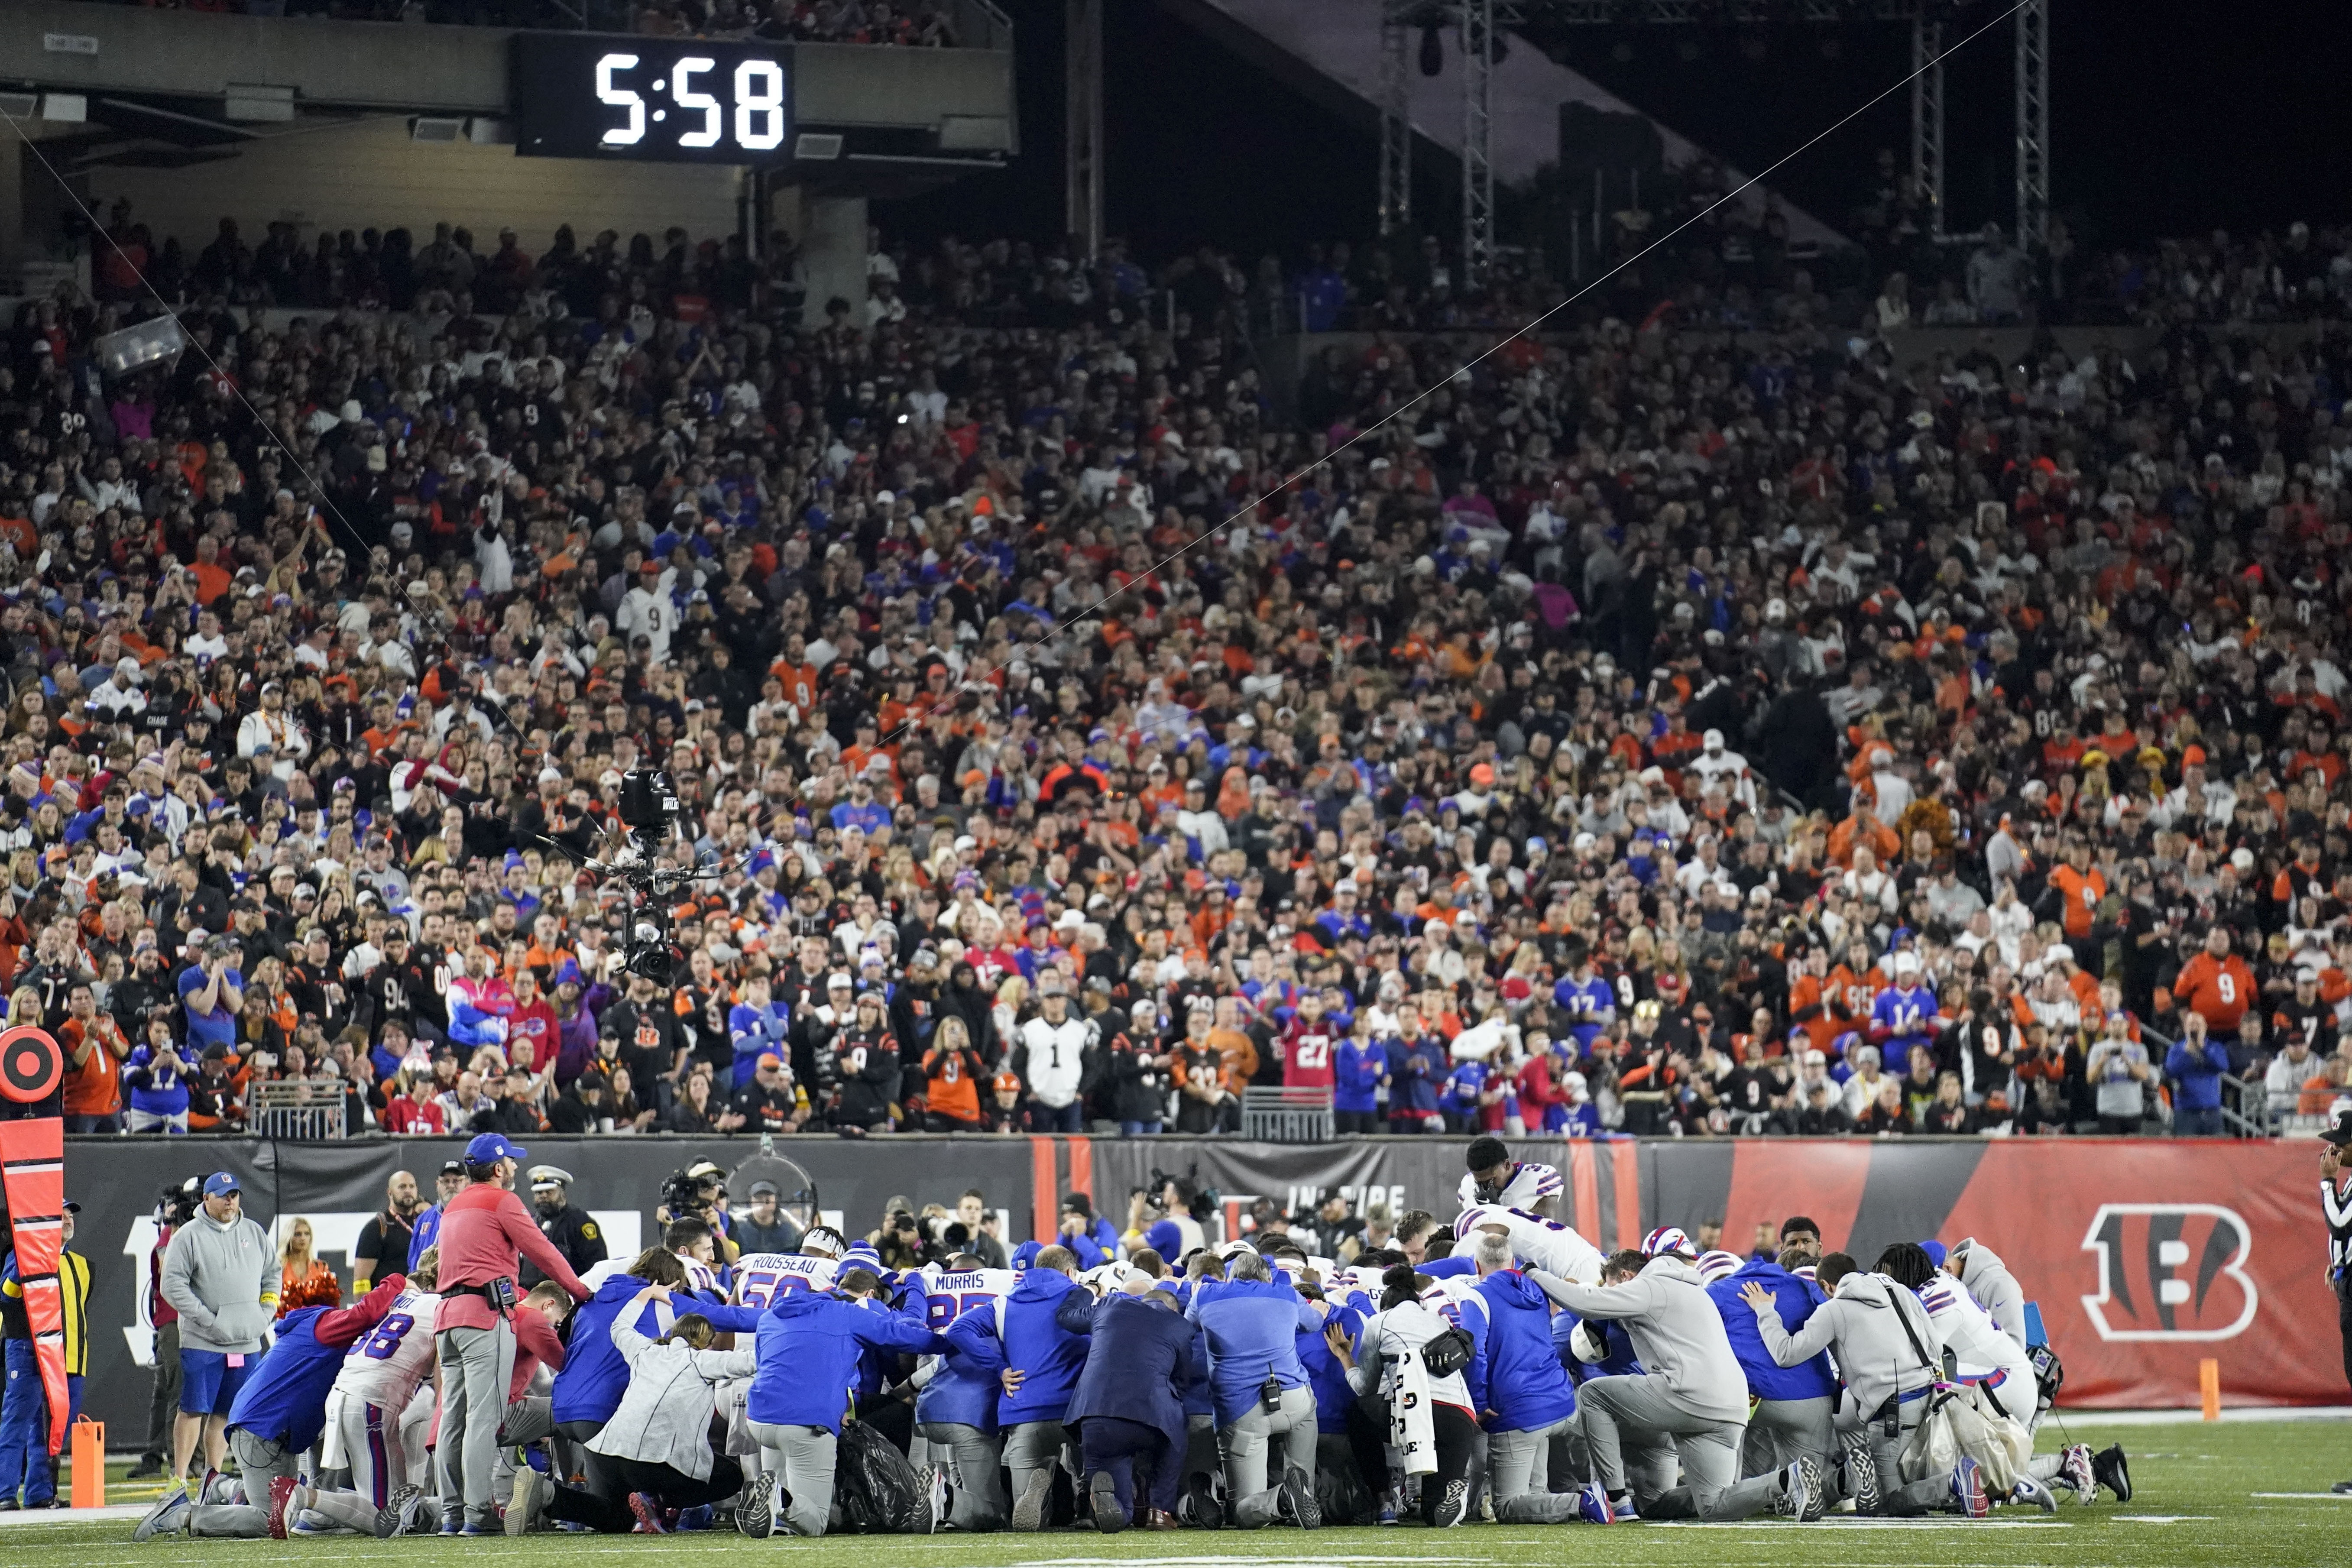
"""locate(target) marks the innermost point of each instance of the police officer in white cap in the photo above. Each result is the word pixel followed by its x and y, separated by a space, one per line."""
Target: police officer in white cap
pixel 573 1234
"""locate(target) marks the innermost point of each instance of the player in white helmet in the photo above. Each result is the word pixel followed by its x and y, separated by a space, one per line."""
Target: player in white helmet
pixel 1494 1177
pixel 761 1276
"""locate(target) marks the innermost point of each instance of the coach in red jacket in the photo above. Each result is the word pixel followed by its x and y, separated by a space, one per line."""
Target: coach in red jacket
pixel 486 1231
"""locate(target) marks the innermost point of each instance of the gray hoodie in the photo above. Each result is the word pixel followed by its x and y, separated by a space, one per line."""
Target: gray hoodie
pixel 223 1282
pixel 1996 1289
pixel 1858 1325
pixel 1676 1331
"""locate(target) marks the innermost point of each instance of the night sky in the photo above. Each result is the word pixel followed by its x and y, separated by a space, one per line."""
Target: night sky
pixel 2169 116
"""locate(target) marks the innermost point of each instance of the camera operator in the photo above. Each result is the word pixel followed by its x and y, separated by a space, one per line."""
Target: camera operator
pixel 764 1227
pixel 176 1208
pixel 485 1233
pixel 694 1194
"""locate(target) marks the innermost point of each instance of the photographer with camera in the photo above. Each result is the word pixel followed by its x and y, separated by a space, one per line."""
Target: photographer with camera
pixel 486 1231
pixel 174 1209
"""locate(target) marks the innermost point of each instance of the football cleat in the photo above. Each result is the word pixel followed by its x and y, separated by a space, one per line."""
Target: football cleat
pixel 2074 1470
pixel 755 1516
pixel 1453 1506
pixel 281 1492
pixel 2113 1471
pixel 1967 1489
pixel 400 1513
pixel 168 1516
pixel 2028 1490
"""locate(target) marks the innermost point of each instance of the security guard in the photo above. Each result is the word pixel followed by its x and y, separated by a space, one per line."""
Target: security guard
pixel 571 1231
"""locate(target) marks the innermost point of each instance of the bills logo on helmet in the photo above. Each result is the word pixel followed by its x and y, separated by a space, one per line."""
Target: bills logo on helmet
pixel 2170 1271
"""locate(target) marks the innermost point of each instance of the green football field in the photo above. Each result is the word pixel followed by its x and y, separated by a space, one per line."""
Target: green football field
pixel 2237 1493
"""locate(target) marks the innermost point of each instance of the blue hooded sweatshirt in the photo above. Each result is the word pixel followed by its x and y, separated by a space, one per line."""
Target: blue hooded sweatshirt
pixel 1333 1393
pixel 1048 1356
pixel 1516 1372
pixel 593 1378
pixel 1796 1298
pixel 1252 1327
pixel 811 1345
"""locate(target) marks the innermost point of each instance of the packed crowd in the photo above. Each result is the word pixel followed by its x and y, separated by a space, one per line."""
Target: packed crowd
pixel 918 24
pixel 1648 731
pixel 1499 1367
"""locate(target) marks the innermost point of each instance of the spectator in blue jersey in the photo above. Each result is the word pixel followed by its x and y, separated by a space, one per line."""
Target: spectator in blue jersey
pixel 1416 1070
pixel 1464 1087
pixel 1342 919
pixel 758 1024
pixel 1587 1001
pixel 1794 1403
pixel 1041 1361
pixel 1522 1395
pixel 280 1413
pixel 1250 1322
pixel 212 993
pixel 157 1076
pixel 1360 1070
pixel 2195 1065
pixel 861 810
pixel 1904 1014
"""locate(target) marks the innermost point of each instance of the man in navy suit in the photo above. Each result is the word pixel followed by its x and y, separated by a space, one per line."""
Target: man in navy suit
pixel 1129 1405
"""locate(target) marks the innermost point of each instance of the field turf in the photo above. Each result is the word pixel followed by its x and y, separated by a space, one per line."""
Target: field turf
pixel 2251 1492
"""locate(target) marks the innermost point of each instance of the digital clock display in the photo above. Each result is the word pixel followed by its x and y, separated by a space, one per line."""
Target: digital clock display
pixel 668 100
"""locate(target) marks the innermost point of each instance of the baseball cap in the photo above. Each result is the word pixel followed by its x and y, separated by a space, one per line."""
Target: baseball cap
pixel 452 1167
pixel 764 1187
pixel 2340 1135
pixel 490 1147
pixel 220 1184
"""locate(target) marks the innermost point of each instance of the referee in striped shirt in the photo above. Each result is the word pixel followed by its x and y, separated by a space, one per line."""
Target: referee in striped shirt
pixel 2336 1205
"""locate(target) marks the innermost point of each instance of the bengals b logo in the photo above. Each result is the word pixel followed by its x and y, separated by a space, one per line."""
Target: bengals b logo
pixel 2170 1271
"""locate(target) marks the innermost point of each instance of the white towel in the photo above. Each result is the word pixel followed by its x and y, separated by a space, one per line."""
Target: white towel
pixel 1410 1432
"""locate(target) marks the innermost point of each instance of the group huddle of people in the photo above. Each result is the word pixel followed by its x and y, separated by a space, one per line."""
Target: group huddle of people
pixel 1499 1367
